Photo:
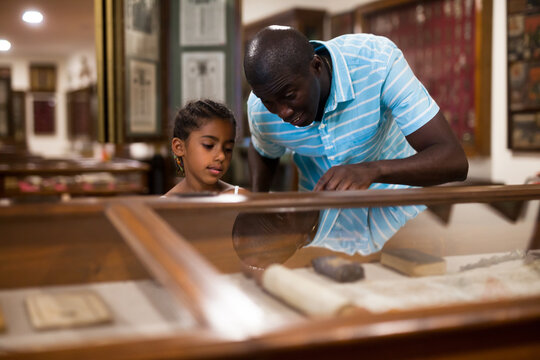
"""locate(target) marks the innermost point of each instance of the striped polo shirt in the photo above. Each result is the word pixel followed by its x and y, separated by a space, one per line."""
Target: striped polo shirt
pixel 375 101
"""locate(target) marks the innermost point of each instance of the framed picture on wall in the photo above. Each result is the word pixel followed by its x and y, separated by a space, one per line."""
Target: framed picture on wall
pixel 43 107
pixel 81 113
pixel 523 25
pixel 141 29
pixel 18 106
pixel 142 62
pixel 132 70
pixel 5 103
pixel 142 116
pixel 203 23
pixel 448 46
pixel 43 77
pixel 526 131
pixel 203 76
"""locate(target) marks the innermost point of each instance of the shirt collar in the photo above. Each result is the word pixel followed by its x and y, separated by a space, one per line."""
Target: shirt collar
pixel 342 88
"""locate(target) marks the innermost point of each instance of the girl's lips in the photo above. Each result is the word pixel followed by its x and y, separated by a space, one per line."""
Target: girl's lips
pixel 215 171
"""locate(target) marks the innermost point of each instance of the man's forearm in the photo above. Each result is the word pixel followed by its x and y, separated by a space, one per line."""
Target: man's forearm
pixel 439 158
pixel 261 170
pixel 430 167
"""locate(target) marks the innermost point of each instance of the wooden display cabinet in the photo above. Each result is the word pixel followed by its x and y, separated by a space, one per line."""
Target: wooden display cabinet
pixel 24 175
pixel 179 293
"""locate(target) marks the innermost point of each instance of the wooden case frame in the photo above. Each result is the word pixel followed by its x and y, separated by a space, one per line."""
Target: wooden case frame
pixel 494 329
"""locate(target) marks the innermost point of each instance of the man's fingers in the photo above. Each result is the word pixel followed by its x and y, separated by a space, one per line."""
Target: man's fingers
pixel 322 183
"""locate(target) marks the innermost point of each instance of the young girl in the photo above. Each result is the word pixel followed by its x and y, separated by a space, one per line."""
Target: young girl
pixel 203 142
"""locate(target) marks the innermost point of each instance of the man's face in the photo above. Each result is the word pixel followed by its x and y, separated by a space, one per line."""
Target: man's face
pixel 293 97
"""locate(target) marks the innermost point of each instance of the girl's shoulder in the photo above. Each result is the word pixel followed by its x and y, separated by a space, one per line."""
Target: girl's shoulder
pixel 232 189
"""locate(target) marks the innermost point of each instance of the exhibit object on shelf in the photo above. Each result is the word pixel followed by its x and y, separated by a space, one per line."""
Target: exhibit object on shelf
pixel 413 262
pixel 70 309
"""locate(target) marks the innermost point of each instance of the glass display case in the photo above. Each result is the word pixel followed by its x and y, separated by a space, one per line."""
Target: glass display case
pixel 194 277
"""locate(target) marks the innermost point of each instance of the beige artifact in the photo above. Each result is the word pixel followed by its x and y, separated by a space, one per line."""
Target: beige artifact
pixel 69 309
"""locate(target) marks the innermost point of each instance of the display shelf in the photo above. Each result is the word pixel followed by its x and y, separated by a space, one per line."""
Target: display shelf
pixel 38 176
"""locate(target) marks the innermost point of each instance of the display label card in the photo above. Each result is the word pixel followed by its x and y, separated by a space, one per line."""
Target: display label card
pixel 69 309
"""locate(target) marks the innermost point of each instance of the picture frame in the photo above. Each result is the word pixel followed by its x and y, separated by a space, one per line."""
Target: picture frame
pixel 525 132
pixel 18 107
pixel 203 23
pixel 42 77
pixel 44 113
pixel 82 113
pixel 448 46
pixel 133 42
pixel 203 75
pixel 5 103
pixel 523 63
pixel 143 64
pixel 142 112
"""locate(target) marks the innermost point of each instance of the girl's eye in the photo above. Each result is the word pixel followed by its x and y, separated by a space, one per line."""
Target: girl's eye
pixel 228 150
pixel 208 146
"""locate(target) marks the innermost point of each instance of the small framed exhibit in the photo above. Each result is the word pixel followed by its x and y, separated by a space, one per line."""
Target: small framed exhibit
pixel 5 102
pixel 203 76
pixel 132 70
pixel 448 46
pixel 142 97
pixel 203 23
pixel 523 25
pixel 44 109
pixel 142 63
pixel 43 77
pixel 18 107
pixel 81 113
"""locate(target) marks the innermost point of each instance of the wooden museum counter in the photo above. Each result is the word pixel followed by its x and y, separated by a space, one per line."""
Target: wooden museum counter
pixel 147 277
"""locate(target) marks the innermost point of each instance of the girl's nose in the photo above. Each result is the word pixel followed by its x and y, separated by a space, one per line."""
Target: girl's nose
pixel 220 155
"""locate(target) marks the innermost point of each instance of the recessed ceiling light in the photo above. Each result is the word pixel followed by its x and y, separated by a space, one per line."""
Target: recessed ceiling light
pixel 4 45
pixel 32 17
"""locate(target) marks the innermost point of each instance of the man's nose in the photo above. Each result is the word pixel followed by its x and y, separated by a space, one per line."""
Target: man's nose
pixel 284 112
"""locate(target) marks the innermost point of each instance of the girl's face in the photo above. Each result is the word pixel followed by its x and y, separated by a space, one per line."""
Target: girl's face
pixel 206 153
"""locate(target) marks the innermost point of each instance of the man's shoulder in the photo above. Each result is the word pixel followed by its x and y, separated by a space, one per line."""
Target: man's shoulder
pixel 257 112
pixel 255 104
pixel 368 45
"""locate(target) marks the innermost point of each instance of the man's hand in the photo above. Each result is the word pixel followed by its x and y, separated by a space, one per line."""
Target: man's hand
pixel 348 177
pixel 439 158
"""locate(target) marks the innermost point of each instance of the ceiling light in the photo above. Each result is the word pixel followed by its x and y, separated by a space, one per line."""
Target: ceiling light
pixel 32 17
pixel 4 45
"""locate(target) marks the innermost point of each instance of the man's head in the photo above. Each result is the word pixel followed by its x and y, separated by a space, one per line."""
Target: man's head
pixel 284 72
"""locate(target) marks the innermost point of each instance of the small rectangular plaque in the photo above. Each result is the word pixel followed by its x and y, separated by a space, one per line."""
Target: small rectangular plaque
pixel 69 309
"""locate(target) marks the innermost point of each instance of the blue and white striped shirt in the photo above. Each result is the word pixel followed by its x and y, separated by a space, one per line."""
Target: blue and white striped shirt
pixel 375 101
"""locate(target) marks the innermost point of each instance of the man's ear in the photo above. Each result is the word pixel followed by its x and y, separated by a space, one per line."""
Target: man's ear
pixel 178 147
pixel 317 64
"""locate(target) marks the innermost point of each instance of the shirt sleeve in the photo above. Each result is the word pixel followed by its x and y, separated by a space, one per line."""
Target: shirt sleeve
pixel 257 115
pixel 405 97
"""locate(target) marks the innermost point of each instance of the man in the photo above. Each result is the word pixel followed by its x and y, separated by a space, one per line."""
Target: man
pixel 354 116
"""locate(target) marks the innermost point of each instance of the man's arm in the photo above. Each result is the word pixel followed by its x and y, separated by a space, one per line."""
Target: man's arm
pixel 439 159
pixel 261 170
